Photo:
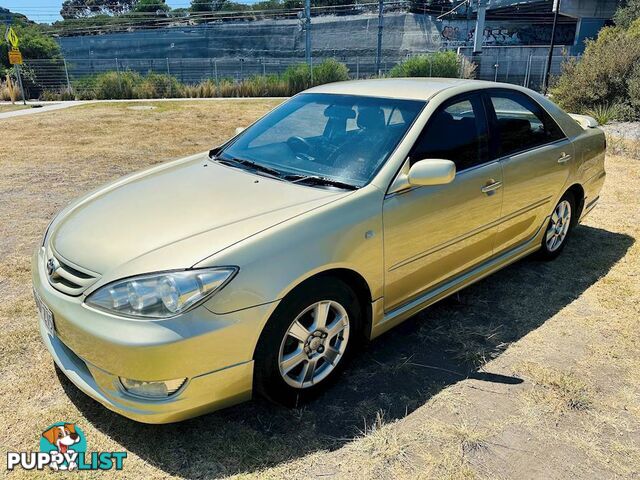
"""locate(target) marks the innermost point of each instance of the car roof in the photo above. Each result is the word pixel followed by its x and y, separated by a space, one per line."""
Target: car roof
pixel 402 88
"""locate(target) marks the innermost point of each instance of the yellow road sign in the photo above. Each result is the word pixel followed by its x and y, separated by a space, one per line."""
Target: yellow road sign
pixel 12 37
pixel 15 57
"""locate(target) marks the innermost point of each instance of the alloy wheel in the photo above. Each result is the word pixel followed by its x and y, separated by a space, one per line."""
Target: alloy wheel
pixel 314 344
pixel 558 226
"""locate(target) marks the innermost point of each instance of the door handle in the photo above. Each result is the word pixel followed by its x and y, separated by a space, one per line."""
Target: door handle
pixel 491 187
pixel 564 158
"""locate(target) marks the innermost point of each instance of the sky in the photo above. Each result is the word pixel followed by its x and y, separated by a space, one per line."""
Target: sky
pixel 47 11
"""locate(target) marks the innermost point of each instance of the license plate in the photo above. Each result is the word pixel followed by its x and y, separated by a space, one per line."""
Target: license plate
pixel 46 317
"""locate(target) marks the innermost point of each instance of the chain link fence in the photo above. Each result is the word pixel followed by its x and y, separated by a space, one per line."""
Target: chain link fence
pixel 71 75
pixel 517 65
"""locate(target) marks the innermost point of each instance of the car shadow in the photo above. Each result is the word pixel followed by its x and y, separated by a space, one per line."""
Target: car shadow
pixel 395 374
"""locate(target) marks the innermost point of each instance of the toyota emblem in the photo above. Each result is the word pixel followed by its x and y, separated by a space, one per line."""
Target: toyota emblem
pixel 51 266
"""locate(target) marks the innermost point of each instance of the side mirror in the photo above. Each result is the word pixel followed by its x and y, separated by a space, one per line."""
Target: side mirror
pixel 239 130
pixel 431 172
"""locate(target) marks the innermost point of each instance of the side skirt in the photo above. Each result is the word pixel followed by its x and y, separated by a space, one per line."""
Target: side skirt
pixel 385 321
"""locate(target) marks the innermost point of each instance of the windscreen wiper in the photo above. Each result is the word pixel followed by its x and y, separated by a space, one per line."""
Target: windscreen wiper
pixel 272 172
pixel 318 180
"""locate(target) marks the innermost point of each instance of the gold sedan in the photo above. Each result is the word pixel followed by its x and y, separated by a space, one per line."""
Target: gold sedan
pixel 259 266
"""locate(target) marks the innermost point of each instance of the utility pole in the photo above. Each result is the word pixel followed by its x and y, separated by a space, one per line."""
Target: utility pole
pixel 469 11
pixel 307 32
pixel 479 33
pixel 556 10
pixel 380 27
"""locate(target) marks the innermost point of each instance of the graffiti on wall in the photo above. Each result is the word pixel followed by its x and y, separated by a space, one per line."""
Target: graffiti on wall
pixel 455 33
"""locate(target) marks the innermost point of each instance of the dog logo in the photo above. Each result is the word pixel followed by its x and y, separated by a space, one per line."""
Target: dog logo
pixel 63 446
pixel 63 437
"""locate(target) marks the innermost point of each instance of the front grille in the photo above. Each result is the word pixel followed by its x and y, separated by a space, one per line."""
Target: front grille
pixel 67 279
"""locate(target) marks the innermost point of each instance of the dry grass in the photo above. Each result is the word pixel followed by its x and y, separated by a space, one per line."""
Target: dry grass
pixel 8 107
pixel 531 373
pixel 555 391
pixel 623 146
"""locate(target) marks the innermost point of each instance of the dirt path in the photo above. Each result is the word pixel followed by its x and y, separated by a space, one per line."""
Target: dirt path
pixel 531 373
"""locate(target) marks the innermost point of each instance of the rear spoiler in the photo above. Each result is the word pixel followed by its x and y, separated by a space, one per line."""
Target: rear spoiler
pixel 585 121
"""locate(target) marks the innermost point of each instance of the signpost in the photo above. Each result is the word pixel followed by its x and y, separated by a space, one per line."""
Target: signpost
pixel 15 56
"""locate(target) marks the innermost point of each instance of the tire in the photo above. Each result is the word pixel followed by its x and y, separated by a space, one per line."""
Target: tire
pixel 559 228
pixel 282 359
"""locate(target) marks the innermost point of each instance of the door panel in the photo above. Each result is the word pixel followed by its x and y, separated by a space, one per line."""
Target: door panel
pixel 532 182
pixel 535 157
pixel 433 233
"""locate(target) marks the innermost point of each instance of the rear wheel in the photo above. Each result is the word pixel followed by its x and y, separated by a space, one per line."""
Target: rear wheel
pixel 307 341
pixel 559 228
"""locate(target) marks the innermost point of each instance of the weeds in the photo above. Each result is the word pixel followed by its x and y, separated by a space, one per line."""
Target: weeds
pixel 383 442
pixel 9 91
pixel 560 392
pixel 468 438
pixel 604 113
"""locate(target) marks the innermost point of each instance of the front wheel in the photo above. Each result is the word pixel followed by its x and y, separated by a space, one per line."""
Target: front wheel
pixel 307 341
pixel 559 228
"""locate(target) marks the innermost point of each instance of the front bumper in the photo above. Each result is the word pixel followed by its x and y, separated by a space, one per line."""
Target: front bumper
pixel 92 348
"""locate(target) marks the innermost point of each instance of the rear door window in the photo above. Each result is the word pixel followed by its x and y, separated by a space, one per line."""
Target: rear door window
pixel 520 123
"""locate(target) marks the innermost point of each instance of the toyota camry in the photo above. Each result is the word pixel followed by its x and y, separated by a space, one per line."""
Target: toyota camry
pixel 259 266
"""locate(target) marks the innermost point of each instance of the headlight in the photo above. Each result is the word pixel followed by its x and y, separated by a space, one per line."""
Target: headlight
pixel 160 295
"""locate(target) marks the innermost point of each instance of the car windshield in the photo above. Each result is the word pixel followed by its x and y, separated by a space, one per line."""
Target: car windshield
pixel 325 138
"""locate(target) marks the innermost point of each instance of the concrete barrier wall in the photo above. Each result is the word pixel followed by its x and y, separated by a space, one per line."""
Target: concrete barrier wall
pixel 347 36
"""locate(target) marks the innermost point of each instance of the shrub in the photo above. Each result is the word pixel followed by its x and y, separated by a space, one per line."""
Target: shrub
pixel 297 77
pixel 275 86
pixel 437 64
pixel 57 95
pixel 158 85
pixel 108 85
pixel 607 74
pixel 131 85
pixel 634 88
pixel 262 86
pixel 329 71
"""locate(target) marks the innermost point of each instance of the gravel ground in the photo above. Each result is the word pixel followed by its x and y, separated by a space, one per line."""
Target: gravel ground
pixel 626 130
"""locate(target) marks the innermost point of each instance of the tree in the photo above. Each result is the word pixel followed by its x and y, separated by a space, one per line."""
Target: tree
pixel 627 13
pixel 201 6
pixel 7 16
pixel 207 5
pixel 34 44
pixel 151 6
pixel 86 8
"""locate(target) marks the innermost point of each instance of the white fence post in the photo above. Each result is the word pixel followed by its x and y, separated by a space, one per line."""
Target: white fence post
pixel 66 72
